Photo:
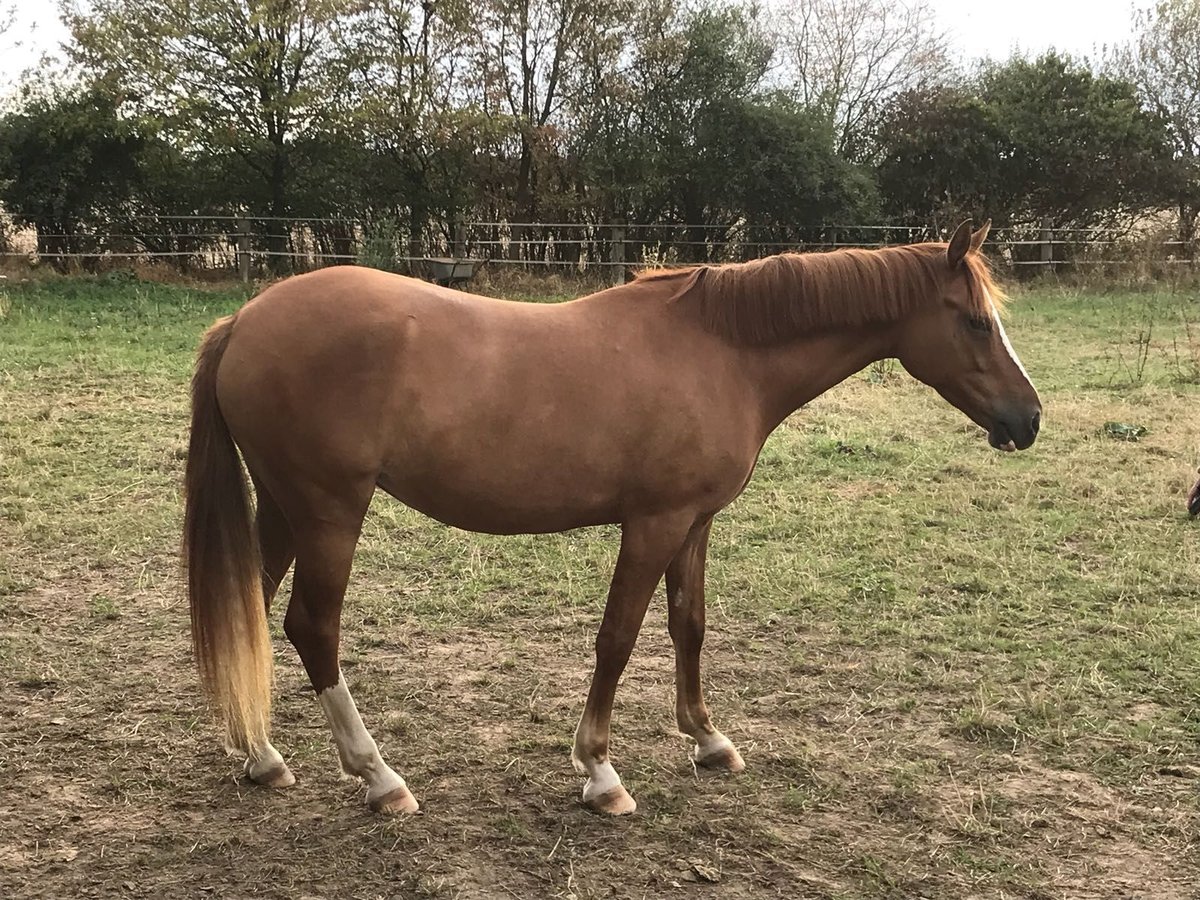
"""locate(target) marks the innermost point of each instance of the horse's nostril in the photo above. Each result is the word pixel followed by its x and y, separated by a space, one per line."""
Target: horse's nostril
pixel 1037 422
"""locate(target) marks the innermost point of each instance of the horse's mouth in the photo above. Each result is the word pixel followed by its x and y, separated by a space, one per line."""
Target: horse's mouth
pixel 1009 435
pixel 1000 439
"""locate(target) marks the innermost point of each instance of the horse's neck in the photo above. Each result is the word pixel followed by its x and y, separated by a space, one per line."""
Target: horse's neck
pixel 792 374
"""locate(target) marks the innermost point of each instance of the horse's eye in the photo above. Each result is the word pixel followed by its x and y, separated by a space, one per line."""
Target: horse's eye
pixel 980 323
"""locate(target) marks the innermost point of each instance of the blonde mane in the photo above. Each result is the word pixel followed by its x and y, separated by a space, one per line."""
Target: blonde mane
pixel 772 300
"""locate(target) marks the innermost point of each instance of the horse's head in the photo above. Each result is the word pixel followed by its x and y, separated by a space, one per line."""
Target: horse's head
pixel 958 347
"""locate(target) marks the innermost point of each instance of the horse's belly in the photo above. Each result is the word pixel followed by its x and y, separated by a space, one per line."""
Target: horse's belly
pixel 515 507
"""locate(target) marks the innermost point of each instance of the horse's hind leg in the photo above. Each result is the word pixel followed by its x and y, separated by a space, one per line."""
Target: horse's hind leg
pixel 646 548
pixel 324 552
pixel 275 541
pixel 685 601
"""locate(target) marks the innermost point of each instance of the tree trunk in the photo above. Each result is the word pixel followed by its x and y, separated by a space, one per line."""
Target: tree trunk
pixel 279 228
pixel 695 233
pixel 1187 229
pixel 525 205
pixel 417 221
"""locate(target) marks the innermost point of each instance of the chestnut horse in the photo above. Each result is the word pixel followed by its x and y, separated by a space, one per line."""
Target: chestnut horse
pixel 645 405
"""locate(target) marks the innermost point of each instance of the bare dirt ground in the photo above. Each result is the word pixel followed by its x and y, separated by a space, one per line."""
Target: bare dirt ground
pixel 112 787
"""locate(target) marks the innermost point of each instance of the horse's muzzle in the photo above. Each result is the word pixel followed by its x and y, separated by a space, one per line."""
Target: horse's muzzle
pixel 1010 433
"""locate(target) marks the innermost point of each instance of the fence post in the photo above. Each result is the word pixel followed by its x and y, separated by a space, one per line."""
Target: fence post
pixel 616 254
pixel 243 249
pixel 1047 238
pixel 458 241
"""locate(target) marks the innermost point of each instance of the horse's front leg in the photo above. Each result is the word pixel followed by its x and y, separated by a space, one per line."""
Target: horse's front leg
pixel 685 604
pixel 647 545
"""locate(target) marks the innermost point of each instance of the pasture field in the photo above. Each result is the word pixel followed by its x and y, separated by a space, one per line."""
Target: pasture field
pixel 952 672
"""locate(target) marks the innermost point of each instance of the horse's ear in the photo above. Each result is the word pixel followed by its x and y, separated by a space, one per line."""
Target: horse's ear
pixel 959 244
pixel 980 236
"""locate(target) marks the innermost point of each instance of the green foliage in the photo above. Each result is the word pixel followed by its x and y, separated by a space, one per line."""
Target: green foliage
pixel 773 162
pixel 244 78
pixel 78 168
pixel 706 114
pixel 637 141
pixel 68 164
pixel 692 135
pixel 941 158
pixel 1080 145
pixel 382 247
pixel 1029 139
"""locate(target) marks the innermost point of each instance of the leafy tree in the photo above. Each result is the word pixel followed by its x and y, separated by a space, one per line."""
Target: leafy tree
pixel 942 157
pixel 638 140
pixel 847 58
pixel 412 116
pixel 772 164
pixel 1029 139
pixel 686 131
pixel 530 55
pixel 68 165
pixel 245 77
pixel 1080 144
pixel 1164 61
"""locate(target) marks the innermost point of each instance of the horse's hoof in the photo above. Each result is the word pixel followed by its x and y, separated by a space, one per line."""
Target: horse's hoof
pixel 724 757
pixel 613 802
pixel 278 776
pixel 397 801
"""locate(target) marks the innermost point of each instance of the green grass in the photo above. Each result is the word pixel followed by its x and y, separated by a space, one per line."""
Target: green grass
pixel 986 614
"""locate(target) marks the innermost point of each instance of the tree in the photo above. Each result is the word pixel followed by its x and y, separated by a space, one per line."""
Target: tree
pixel 639 141
pixel 942 157
pixel 1026 140
pixel 1080 144
pixel 771 164
pixel 243 76
pixel 412 114
pixel 529 52
pixel 1164 61
pixel 685 131
pixel 68 165
pixel 847 58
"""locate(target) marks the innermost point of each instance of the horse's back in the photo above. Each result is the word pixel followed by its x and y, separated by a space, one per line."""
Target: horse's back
pixel 488 414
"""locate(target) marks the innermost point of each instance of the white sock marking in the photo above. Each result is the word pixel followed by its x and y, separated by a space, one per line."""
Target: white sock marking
pixel 710 744
pixel 601 776
pixel 356 748
pixel 603 779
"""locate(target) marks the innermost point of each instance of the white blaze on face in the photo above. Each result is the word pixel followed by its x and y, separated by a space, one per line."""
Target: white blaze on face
pixel 1004 339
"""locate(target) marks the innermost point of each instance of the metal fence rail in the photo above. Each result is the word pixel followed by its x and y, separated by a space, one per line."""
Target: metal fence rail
pixel 260 244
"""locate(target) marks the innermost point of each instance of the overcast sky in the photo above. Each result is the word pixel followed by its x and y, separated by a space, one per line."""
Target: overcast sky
pixel 977 28
pixel 980 28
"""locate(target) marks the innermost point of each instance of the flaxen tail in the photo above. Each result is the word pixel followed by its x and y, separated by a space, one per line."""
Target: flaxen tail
pixel 220 549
